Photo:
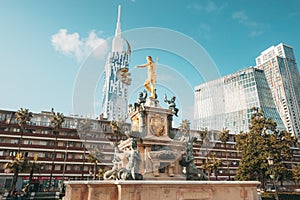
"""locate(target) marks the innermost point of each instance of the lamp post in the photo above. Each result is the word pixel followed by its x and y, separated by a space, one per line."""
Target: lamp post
pixel 83 159
pixel 273 175
pixel 90 173
pixel 85 126
pixel 65 159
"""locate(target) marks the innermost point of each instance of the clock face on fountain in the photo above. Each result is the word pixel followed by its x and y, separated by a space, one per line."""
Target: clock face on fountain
pixel 157 125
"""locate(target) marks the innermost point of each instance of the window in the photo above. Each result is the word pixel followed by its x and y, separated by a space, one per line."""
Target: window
pixel 12 153
pixel 27 142
pixel 14 141
pixel 16 130
pixel 53 155
pixel 44 131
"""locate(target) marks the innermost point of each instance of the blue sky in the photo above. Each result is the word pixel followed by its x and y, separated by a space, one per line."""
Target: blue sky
pixel 38 72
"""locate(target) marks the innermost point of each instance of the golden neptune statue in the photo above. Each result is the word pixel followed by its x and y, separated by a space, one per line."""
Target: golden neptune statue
pixel 151 80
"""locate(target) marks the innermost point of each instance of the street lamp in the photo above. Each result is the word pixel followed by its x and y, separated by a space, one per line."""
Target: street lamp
pixel 83 158
pixel 90 173
pixel 273 176
pixel 65 160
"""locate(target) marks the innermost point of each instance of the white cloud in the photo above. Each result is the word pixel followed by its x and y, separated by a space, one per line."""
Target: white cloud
pixel 208 7
pixel 211 7
pixel 255 33
pixel 96 45
pixel 72 44
pixel 66 43
pixel 242 18
pixel 204 31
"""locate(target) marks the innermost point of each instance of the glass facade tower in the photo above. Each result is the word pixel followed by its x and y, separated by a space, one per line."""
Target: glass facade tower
pixel 280 67
pixel 236 93
pixel 115 91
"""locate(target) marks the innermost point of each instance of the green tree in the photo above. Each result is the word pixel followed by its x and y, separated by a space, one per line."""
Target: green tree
pixel 280 144
pixel 17 165
pixel 262 141
pixel 212 163
pixel 296 173
pixel 23 116
pixel 95 156
pixel 57 119
pixel 224 137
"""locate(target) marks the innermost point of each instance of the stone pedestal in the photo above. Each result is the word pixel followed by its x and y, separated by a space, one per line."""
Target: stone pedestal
pixel 152 121
pixel 166 190
pixel 159 153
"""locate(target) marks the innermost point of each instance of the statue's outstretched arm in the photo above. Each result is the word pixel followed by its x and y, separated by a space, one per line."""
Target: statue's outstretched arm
pixel 140 66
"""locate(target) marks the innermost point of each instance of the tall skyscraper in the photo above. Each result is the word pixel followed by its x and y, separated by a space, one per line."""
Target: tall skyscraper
pixel 227 101
pixel 282 74
pixel 115 89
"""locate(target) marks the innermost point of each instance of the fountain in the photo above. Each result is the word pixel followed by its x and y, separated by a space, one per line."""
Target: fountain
pixel 149 161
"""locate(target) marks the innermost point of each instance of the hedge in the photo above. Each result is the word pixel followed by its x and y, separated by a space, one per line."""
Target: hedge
pixel 281 195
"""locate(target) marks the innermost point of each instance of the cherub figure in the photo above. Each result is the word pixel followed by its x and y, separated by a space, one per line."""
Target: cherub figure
pixel 141 100
pixel 171 104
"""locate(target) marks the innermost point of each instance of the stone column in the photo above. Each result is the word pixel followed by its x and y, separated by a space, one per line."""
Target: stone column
pixel 101 191
pixel 143 123
pixel 170 121
pixel 76 192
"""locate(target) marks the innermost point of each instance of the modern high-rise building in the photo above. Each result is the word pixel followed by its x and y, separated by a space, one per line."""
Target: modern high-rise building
pixel 115 89
pixel 227 101
pixel 280 67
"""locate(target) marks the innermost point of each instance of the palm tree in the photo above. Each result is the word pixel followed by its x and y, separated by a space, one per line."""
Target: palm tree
pixel 212 163
pixel 94 157
pixel 203 136
pixel 117 133
pixel 57 119
pixel 84 127
pixel 216 163
pixel 32 166
pixel 18 164
pixel 203 133
pixel 22 116
pixel 185 128
pixel 207 167
pixel 224 137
